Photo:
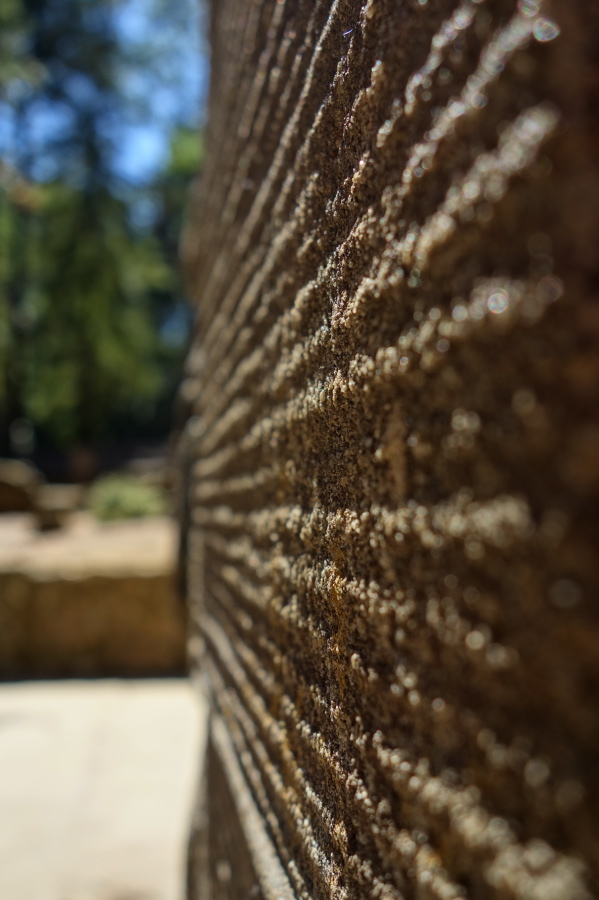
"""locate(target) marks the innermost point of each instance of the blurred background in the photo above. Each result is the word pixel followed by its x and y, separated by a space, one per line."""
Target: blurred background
pixel 100 134
pixel 101 117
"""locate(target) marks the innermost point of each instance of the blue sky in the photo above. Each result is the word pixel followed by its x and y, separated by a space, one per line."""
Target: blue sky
pixel 179 95
pixel 173 92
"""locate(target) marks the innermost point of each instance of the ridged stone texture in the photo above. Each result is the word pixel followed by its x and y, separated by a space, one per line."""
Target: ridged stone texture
pixel 392 448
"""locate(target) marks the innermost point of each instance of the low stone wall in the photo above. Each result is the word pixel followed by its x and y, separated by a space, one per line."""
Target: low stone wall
pixel 90 600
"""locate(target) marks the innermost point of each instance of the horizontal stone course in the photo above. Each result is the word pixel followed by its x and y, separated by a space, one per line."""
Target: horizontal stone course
pixel 393 447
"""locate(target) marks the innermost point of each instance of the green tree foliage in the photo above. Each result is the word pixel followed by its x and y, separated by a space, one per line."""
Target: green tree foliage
pixel 91 320
pixel 124 497
pixel 93 345
pixel 16 62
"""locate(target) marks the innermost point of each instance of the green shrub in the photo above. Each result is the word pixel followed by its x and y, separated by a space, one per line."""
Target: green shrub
pixel 124 497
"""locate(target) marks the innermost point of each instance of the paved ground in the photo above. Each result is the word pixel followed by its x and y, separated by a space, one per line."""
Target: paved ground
pixel 96 787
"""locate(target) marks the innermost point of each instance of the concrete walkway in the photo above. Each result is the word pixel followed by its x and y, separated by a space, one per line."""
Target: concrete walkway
pixel 96 786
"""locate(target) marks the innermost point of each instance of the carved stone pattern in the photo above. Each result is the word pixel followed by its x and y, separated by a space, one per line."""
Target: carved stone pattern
pixel 394 448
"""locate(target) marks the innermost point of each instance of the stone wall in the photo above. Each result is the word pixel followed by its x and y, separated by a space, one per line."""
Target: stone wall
pixel 393 449
pixel 89 600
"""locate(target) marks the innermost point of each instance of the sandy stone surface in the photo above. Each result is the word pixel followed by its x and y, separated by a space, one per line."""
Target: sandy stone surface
pixel 96 786
pixel 392 448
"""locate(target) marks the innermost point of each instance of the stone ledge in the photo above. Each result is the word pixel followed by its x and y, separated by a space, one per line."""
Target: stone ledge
pixel 91 600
